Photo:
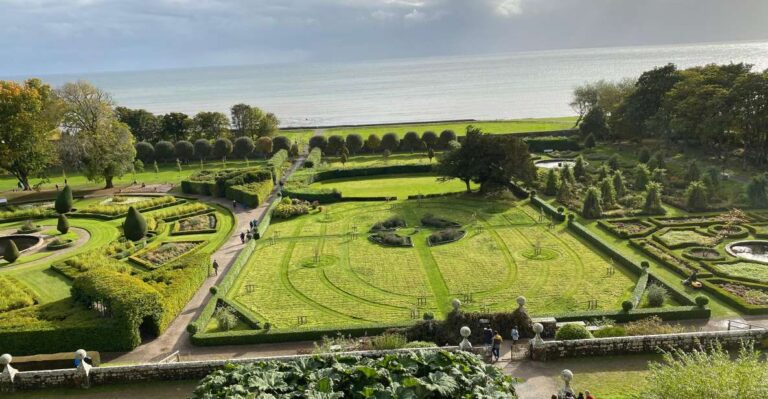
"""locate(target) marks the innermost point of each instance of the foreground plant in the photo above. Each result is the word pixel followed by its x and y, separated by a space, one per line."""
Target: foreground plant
pixel 436 374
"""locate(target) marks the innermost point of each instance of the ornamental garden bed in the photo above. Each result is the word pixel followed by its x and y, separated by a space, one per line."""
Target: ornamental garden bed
pixel 59 243
pixel 628 228
pixel 446 236
pixel 730 231
pixel 676 238
pixel 200 224
pixel 660 253
pixel 430 220
pixel 703 253
pixel 743 270
pixel 703 221
pixel 390 239
pixel 394 222
pixel 28 228
pixel 165 253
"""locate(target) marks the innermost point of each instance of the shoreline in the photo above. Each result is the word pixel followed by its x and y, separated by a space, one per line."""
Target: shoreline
pixel 418 123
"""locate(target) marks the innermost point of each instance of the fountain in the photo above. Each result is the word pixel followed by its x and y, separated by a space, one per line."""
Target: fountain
pixel 554 163
pixel 754 250
pixel 23 242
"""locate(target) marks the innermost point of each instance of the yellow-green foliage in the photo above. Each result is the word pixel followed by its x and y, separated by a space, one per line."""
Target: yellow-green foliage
pixel 14 295
pixel 178 210
pixel 115 209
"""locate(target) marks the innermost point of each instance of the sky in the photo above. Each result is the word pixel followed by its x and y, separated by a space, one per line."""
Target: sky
pixel 76 36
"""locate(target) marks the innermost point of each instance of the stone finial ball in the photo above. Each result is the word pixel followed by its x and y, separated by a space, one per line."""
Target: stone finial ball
pixel 521 301
pixel 5 359
pixel 456 303
pixel 80 354
pixel 465 331
pixel 567 375
pixel 538 328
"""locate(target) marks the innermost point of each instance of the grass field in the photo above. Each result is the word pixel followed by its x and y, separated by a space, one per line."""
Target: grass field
pixel 400 186
pixel 317 268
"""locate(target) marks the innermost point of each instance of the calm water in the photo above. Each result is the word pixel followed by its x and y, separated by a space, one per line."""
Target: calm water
pixel 531 84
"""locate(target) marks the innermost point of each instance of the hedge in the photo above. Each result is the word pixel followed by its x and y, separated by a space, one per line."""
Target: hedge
pixel 215 182
pixel 314 158
pixel 711 285
pixel 178 282
pixel 637 293
pixel 375 171
pixel 251 194
pixel 556 143
pixel 266 219
pixel 323 196
pixel 435 195
pixel 548 208
pixel 620 316
pixel 247 337
pixel 665 258
pixel 608 226
pixel 102 216
pixel 518 190
pixel 276 163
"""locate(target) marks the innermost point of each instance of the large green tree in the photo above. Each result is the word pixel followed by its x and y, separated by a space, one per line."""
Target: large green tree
pixel 252 121
pixel 210 125
pixel 144 125
pixel 29 115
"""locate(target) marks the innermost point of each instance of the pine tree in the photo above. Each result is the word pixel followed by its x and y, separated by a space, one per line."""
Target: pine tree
pixel 757 191
pixel 564 194
pixel 642 177
pixel 589 142
pixel 645 155
pixel 613 162
pixel 603 172
pixel 567 174
pixel 551 185
pixel 63 224
pixel 607 194
pixel 696 196
pixel 694 173
pixel 653 199
pixel 618 184
pixel 579 170
pixel 592 208
pixel 11 252
pixel 134 227
pixel 64 200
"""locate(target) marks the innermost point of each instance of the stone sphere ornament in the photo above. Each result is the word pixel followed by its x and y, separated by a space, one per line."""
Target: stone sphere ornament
pixel 456 303
pixel 80 354
pixel 5 359
pixel 465 344
pixel 465 332
pixel 521 301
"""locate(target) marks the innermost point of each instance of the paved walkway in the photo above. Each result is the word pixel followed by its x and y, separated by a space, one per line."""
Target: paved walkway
pixel 175 337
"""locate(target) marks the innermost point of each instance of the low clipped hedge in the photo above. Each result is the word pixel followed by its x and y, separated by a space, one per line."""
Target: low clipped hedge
pixel 611 228
pixel 178 282
pixel 249 337
pixel 570 332
pixel 642 283
pixel 739 231
pixel 659 253
pixel 711 286
pixel 276 163
pixel 215 182
pixel 314 158
pixel 549 209
pixel 374 171
pixel 323 196
pixel 667 314
pixel 556 143
pixel 251 194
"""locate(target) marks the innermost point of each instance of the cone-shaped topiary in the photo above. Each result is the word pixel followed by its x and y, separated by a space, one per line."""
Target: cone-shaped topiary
pixel 135 227
pixel 551 186
pixel 653 199
pixel 579 169
pixel 564 193
pixel 607 194
pixel 64 200
pixel 618 184
pixel 696 196
pixel 592 208
pixel 63 225
pixel 11 252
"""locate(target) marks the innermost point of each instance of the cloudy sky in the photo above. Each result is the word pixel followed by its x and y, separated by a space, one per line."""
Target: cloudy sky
pixel 62 36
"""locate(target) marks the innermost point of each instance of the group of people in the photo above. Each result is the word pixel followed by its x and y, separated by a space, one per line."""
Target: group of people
pixel 493 339
pixel 570 395
pixel 251 232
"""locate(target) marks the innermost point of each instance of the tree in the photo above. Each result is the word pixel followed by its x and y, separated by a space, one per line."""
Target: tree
pixel 749 99
pixel 343 159
pixel 145 151
pixel 585 98
pixel 645 155
pixel 294 151
pixel 164 151
pixel 446 136
pixel 589 142
pixel 110 153
pixel 372 143
pixel 175 126
pixel 592 209
pixel 264 145
pixel 64 200
pixel 184 150
pixel 252 121
pixel 335 143
pixel 594 124
pixel 11 253
pixel 564 194
pixel 281 143
pixel 202 149
pixel 155 167
pixel 144 125
pixel 579 169
pixel 603 172
pixel 29 115
pixel 354 143
pixel 63 224
pixel 222 148
pixel 318 142
pixel 71 153
pixel 550 187
pixel 659 175
pixel 757 191
pixel 642 177
pixel 607 194
pixel 430 154
pixel 411 142
pixel 657 161
pixel 694 173
pixel 268 125
pixel 618 184
pixel 696 196
pixel 138 166
pixel 429 138
pixel 613 162
pixel 344 150
pixel 653 199
pixel 243 146
pixel 390 142
pixel 210 125
pixel 134 227
pixel 567 174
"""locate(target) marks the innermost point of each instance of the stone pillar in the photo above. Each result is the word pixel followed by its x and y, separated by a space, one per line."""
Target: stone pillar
pixel 82 374
pixel 465 344
pixel 8 374
pixel 567 376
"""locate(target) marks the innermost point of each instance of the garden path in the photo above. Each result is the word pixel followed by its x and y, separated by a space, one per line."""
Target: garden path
pixel 83 236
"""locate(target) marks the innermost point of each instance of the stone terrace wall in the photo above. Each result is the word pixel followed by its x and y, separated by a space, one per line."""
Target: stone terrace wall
pixel 30 380
pixel 551 350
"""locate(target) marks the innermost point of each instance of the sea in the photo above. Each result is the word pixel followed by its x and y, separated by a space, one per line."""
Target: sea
pixel 531 84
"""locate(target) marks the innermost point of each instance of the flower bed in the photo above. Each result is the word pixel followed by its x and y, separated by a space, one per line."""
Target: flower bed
pixel 200 224
pixel 430 220
pixel 675 238
pixel 165 253
pixel 703 253
pixel 658 252
pixel 390 239
pixel 704 220
pixel 121 208
pixel 748 294
pixel 627 228
pixel 732 231
pixel 446 236
pixel 58 243
pixel 395 222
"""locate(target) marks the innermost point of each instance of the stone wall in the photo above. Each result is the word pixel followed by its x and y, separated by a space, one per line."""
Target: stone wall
pixel 550 350
pixel 30 380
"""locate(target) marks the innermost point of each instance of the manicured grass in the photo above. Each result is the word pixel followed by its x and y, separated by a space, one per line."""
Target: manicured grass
pixel 609 377
pixel 495 127
pixel 400 186
pixel 377 160
pixel 757 271
pixel 315 267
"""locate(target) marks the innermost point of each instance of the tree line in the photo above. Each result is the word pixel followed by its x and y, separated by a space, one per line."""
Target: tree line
pixel 389 142
pixel 720 107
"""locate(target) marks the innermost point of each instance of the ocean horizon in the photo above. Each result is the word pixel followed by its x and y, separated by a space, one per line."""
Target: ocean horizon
pixel 532 84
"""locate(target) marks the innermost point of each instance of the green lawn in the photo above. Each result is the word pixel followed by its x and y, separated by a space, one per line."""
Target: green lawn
pixel 609 377
pixel 400 186
pixel 377 160
pixel 317 269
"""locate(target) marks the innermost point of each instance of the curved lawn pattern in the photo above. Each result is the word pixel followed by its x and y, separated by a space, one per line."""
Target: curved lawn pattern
pixel 355 281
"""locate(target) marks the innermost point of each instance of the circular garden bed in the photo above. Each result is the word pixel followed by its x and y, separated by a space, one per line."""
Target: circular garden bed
pixel 58 243
pixel 446 236
pixel 541 254
pixel 732 231
pixel 703 253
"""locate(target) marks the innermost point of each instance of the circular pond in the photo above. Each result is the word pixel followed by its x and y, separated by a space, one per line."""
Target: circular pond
pixel 23 242
pixel 755 250
pixel 554 163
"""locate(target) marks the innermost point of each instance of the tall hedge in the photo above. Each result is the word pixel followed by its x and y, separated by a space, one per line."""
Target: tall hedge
pixel 64 200
pixel 134 227
pixel 63 224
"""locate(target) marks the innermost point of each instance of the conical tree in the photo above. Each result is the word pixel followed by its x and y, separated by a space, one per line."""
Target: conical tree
pixel 696 196
pixel 564 194
pixel 613 162
pixel 64 200
pixel 645 155
pixel 579 170
pixel 653 199
pixel 134 227
pixel 607 194
pixel 592 208
pixel 618 184
pixel 642 177
pixel 603 172
pixel 694 173
pixel 551 185
pixel 757 191
pixel 63 225
pixel 589 142
pixel 11 252
pixel 567 174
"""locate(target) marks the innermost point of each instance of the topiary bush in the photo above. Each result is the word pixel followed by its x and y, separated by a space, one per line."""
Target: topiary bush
pixel 571 332
pixel 627 306
pixel 63 224
pixel 134 227
pixel 11 253
pixel 64 200
pixel 390 239
pixel 656 295
pixel 702 301
pixel 445 236
pixel 390 224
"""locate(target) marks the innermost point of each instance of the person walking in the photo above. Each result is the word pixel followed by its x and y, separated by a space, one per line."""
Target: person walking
pixel 496 349
pixel 215 267
pixel 589 395
pixel 242 237
pixel 234 205
pixel 515 334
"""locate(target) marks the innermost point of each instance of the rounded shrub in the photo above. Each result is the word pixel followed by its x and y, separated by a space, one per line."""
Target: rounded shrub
pixel 429 316
pixel 11 252
pixel 192 328
pixel 134 227
pixel 702 301
pixel 63 224
pixel 657 295
pixel 214 290
pixel 627 305
pixel 64 200
pixel 571 332
pixel 644 264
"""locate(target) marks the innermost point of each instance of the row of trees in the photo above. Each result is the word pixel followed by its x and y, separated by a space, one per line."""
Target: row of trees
pixel 410 142
pixel 722 107
pixel 202 149
pixel 246 121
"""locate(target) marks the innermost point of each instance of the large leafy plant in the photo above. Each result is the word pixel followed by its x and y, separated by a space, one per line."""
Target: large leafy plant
pixel 434 374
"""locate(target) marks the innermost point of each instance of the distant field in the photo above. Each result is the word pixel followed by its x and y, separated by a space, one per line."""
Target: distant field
pixel 400 186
